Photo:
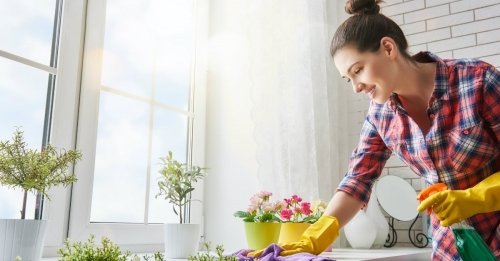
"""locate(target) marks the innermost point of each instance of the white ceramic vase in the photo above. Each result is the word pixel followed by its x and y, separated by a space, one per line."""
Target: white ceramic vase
pixel 360 231
pixel 23 238
pixel 374 212
pixel 181 240
pixel 369 228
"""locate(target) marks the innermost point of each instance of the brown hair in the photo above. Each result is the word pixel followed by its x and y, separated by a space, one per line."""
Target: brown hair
pixel 364 29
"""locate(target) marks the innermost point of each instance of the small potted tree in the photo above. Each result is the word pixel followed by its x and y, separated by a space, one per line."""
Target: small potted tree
pixel 175 185
pixel 31 171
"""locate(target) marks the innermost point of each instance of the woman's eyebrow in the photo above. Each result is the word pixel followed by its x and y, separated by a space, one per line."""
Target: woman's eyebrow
pixel 350 68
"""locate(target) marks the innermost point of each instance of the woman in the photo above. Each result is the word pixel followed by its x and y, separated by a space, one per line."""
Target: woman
pixel 441 117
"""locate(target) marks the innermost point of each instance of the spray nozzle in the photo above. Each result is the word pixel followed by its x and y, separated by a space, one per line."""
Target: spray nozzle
pixel 425 193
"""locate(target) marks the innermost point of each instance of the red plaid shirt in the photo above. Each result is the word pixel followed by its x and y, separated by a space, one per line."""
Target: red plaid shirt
pixel 461 148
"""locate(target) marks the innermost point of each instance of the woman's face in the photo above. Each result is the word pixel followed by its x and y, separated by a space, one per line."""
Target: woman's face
pixel 369 72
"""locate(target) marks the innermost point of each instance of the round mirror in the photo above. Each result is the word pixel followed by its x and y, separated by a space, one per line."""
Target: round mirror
pixel 397 197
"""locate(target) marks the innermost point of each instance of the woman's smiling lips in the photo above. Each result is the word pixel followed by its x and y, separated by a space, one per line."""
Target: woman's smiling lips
pixel 371 92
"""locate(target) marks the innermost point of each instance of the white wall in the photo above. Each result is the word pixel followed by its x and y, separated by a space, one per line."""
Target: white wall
pixel 230 149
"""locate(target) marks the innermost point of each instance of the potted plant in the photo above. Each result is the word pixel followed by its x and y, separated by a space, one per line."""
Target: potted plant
pixel 32 171
pixel 175 185
pixel 106 251
pixel 262 226
pixel 296 215
pixel 208 255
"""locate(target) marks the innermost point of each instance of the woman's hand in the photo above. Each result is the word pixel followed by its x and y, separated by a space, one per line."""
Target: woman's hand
pixel 314 240
pixel 452 206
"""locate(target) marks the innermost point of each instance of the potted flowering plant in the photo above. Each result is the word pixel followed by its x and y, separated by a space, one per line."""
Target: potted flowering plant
pixel 260 209
pixel 296 210
pixel 32 171
pixel 296 215
pixel 262 224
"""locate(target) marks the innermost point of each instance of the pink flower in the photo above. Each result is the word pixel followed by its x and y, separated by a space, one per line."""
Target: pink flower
pixel 260 209
pixel 306 208
pixel 296 198
pixel 294 209
pixel 265 195
pixel 286 214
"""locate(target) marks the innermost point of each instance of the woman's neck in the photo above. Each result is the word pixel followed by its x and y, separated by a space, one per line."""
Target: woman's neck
pixel 416 83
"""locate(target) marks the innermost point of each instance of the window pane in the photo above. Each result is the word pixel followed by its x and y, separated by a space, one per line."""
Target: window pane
pixel 175 39
pixel 169 133
pixel 127 56
pixel 146 43
pixel 147 53
pixel 22 104
pixel 120 160
pixel 27 28
pixel 23 91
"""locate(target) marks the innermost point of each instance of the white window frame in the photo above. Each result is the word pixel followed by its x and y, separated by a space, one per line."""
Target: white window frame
pixel 64 116
pixel 73 127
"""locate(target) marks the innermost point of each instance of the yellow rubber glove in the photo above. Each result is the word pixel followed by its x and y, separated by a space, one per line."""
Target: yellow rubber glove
pixel 452 206
pixel 314 240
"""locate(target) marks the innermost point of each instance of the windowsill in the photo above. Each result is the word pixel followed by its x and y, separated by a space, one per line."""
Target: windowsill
pixel 349 254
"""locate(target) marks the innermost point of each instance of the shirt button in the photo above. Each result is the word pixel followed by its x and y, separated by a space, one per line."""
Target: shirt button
pixel 466 132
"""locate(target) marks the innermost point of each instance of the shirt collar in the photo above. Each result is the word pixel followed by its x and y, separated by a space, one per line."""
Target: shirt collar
pixel 440 82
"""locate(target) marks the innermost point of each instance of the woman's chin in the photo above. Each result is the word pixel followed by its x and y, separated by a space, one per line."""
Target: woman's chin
pixel 379 100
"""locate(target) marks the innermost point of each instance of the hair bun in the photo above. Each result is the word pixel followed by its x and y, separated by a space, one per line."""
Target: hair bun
pixel 361 7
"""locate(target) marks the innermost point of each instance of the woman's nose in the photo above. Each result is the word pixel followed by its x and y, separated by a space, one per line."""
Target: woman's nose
pixel 357 87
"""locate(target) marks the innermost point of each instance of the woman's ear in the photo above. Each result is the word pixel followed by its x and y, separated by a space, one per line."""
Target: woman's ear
pixel 389 47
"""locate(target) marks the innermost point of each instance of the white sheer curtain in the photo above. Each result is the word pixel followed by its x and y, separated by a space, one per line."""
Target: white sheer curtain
pixel 288 63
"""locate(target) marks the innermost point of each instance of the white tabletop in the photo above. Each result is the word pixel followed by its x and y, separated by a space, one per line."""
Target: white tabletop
pixel 395 254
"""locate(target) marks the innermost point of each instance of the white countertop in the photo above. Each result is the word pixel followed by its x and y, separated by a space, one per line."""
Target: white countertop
pixel 349 254
pixel 389 254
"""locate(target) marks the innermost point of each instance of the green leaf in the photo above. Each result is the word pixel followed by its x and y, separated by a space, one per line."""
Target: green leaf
pixel 176 181
pixel 35 170
pixel 241 214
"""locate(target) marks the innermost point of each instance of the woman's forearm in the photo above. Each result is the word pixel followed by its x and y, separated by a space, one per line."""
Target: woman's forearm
pixel 343 206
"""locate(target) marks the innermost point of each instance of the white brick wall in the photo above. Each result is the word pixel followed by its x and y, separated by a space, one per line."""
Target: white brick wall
pixel 449 28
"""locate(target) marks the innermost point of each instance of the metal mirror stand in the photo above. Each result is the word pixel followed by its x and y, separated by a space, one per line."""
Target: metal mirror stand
pixel 419 240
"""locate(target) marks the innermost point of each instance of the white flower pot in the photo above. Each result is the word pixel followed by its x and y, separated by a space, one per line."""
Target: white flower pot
pixel 23 238
pixel 181 240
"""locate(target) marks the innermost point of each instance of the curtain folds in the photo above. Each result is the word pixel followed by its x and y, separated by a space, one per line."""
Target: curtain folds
pixel 288 60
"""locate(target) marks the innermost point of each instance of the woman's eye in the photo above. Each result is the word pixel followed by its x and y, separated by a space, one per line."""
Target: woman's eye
pixel 357 71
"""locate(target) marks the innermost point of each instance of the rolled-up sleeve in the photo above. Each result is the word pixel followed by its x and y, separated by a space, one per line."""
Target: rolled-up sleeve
pixel 365 164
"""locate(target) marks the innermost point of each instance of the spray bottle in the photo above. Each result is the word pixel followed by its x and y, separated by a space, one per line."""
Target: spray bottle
pixel 469 243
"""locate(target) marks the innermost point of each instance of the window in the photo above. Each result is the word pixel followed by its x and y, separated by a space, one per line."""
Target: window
pixel 28 51
pixel 129 87
pixel 141 81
